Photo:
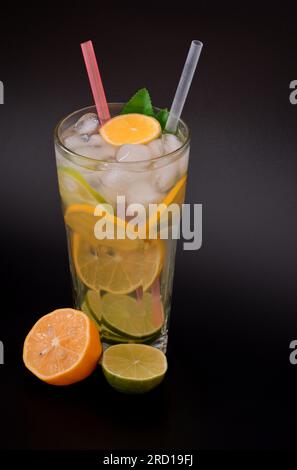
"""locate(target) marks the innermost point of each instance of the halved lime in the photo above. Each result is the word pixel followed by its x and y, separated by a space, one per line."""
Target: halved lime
pixel 134 368
pixel 93 300
pixel 75 189
pixel 127 316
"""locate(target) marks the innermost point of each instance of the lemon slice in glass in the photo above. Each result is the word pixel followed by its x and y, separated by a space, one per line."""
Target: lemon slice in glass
pixel 74 189
pixel 115 269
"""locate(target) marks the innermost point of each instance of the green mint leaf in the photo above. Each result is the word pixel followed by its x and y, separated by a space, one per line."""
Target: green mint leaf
pixel 162 117
pixel 139 103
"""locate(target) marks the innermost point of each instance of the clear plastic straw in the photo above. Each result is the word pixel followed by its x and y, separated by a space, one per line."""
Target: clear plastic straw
pixel 95 81
pixel 184 85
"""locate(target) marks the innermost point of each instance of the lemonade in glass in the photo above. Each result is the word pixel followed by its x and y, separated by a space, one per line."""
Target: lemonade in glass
pixel 123 282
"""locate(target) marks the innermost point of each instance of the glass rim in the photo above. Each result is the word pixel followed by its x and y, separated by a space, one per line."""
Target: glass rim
pixel 139 163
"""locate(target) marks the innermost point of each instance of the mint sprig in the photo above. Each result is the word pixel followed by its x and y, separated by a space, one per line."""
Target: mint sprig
pixel 162 117
pixel 141 103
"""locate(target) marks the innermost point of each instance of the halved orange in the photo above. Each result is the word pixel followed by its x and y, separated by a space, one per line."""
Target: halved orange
pixel 131 128
pixel 63 347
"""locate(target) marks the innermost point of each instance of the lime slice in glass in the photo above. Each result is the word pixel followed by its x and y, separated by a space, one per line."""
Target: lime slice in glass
pixel 85 308
pixel 94 303
pixel 105 333
pixel 134 368
pixel 127 316
pixel 74 189
pixel 111 337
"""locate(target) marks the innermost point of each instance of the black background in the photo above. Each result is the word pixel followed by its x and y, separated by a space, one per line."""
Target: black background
pixel 230 384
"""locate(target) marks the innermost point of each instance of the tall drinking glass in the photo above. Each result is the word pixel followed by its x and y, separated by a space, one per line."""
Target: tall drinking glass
pixel 123 283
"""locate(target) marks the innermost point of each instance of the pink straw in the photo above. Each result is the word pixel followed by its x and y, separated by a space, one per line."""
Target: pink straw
pixel 139 294
pixel 95 81
pixel 157 307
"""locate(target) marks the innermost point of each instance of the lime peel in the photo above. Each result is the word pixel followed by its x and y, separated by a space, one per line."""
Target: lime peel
pixel 134 368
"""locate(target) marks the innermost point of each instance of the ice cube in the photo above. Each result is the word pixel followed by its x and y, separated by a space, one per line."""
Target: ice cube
pixel 142 192
pixel 183 163
pixel 87 124
pixel 118 182
pixel 117 178
pixel 114 182
pixel 108 150
pixel 68 132
pixel 165 177
pixel 156 148
pixel 96 140
pixel 92 146
pixel 98 153
pixel 171 143
pixel 73 142
pixel 133 153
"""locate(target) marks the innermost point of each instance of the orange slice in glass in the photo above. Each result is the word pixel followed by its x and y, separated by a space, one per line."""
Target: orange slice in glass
pixel 130 129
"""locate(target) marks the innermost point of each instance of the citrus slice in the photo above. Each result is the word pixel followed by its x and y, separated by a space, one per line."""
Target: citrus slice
pixel 175 196
pixel 117 270
pixel 81 219
pixel 134 368
pixel 93 300
pixel 110 336
pixel 131 128
pixel 127 316
pixel 106 334
pixel 63 347
pixel 86 309
pixel 74 189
